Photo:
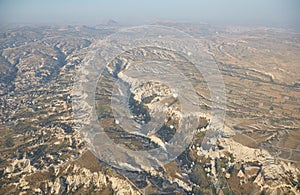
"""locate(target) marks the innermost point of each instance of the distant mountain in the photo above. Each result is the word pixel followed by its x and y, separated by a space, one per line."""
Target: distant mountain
pixel 112 22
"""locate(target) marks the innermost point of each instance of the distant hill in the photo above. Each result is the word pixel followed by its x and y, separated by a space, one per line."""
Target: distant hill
pixel 112 22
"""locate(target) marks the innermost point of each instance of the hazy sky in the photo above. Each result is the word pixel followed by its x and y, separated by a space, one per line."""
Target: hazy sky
pixel 269 12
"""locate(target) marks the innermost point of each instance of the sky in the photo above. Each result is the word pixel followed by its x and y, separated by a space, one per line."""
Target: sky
pixel 257 12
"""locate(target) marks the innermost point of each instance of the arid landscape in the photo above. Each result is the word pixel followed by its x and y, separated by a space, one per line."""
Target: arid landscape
pixel 43 149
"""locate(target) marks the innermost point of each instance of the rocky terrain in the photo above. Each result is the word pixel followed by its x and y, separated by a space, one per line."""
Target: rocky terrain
pixel 257 151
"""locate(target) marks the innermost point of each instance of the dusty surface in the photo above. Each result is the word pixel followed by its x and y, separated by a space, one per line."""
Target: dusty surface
pixel 256 151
